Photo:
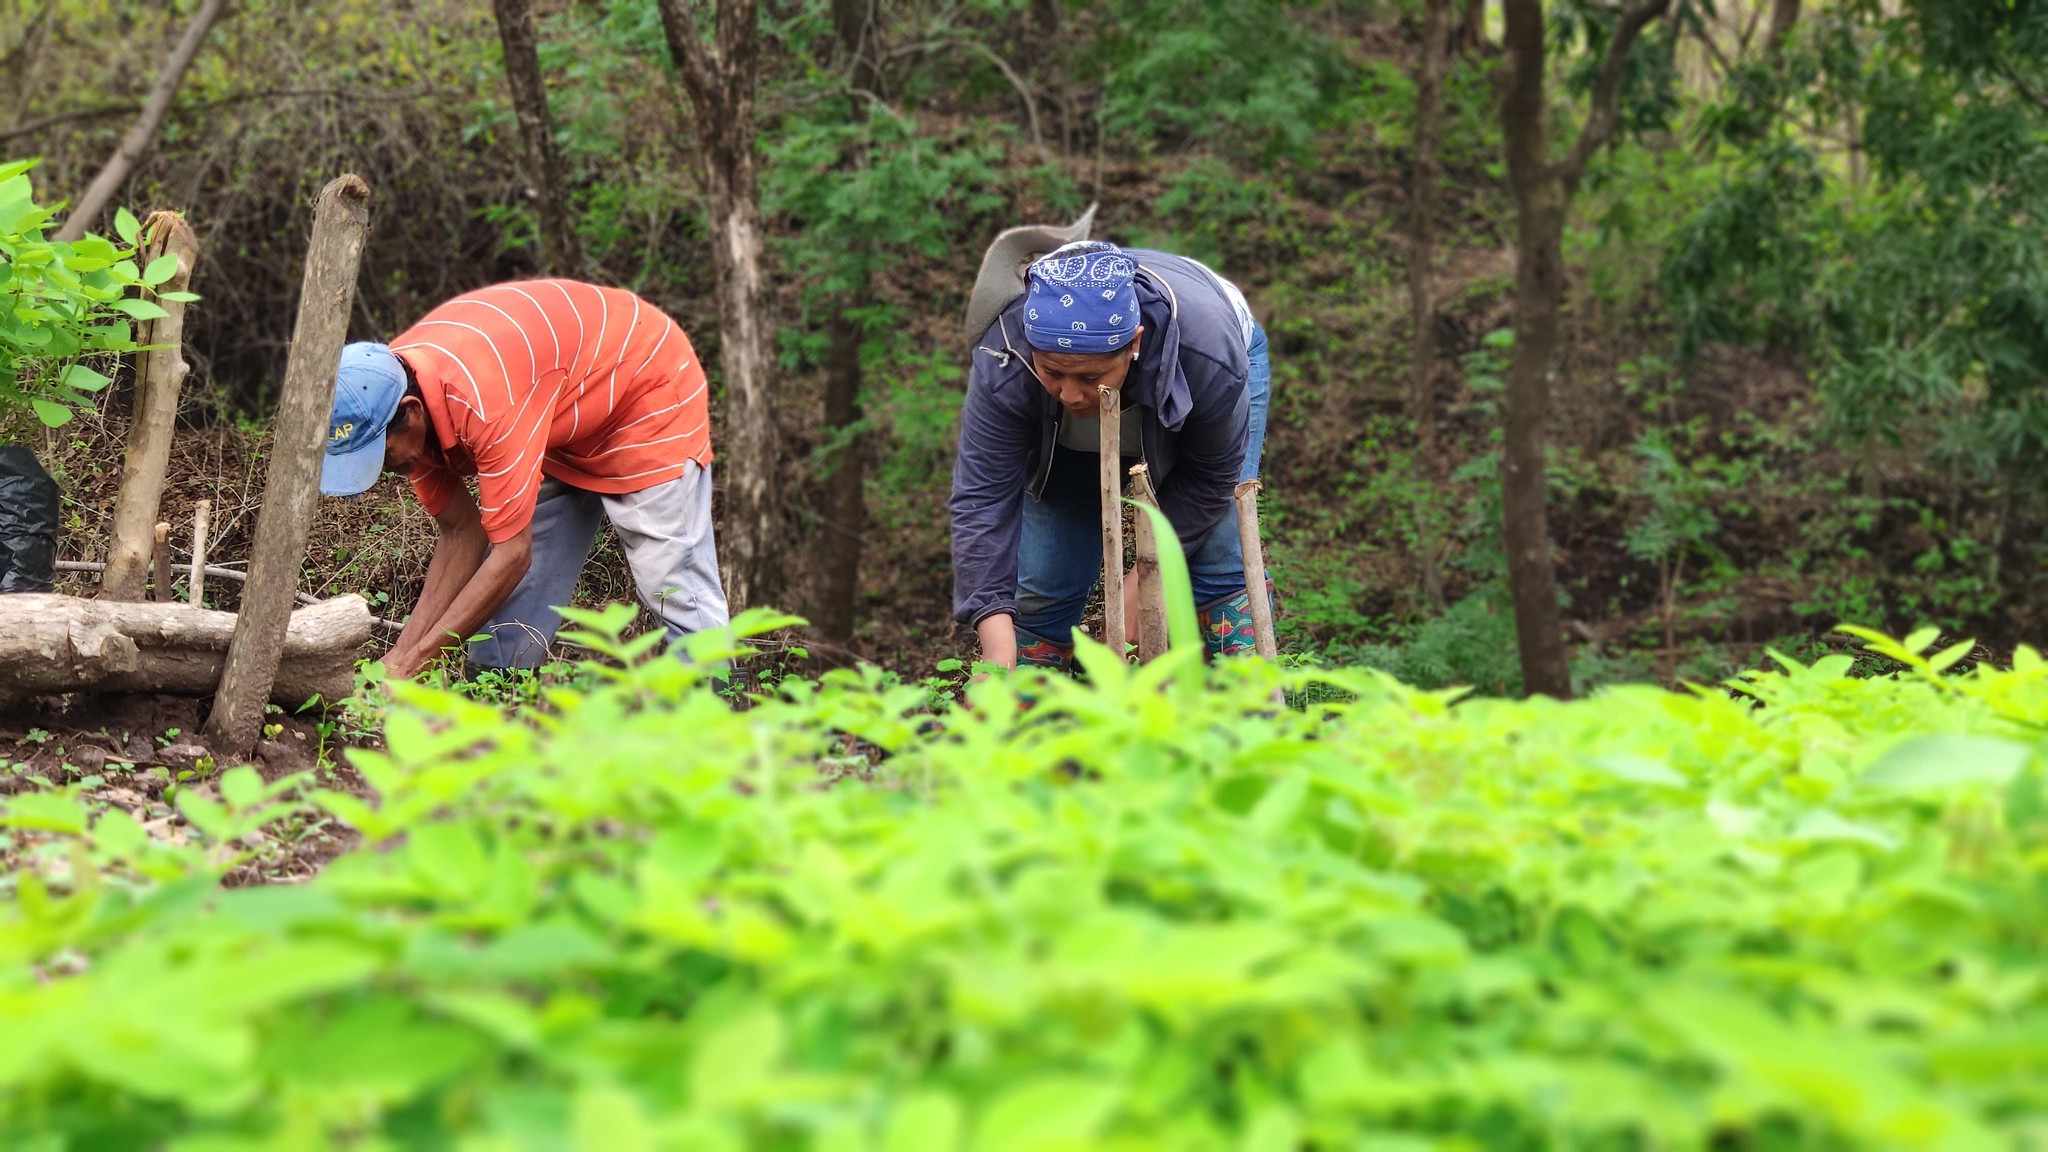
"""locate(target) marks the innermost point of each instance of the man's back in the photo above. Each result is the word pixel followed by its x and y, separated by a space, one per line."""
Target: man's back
pixel 592 386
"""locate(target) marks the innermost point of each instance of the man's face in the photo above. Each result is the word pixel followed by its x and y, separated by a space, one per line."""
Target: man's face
pixel 405 442
pixel 1074 378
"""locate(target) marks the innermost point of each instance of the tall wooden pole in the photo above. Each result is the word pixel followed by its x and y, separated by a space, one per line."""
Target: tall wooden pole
pixel 291 488
pixel 202 523
pixel 1152 634
pixel 1110 444
pixel 159 374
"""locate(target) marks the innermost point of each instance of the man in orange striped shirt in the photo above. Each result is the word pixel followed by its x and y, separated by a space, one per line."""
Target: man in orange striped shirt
pixel 568 403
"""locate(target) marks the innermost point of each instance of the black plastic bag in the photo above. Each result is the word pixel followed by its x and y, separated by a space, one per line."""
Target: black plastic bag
pixel 28 522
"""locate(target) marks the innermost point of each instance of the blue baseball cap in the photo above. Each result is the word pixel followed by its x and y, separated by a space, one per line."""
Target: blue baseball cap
pixel 368 384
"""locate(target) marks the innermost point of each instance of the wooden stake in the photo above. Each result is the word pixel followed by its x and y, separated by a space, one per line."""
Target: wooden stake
pixel 1255 569
pixel 1110 443
pixel 1152 635
pixel 291 488
pixel 159 374
pixel 202 518
pixel 160 556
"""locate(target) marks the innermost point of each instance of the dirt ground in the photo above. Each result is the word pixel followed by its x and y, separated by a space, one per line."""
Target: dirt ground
pixel 129 751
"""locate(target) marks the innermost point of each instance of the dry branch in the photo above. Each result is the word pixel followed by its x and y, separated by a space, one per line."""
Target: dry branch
pixel 143 131
pixel 291 488
pixel 160 562
pixel 1110 445
pixel 202 519
pixel 159 375
pixel 51 644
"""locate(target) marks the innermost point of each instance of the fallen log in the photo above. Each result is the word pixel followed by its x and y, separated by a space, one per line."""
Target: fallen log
pixel 51 644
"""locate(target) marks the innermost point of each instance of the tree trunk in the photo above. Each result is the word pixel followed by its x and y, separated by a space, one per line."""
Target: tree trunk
pixel 1110 476
pixel 1471 26
pixel 843 479
pixel 160 373
pixel 143 132
pixel 1543 191
pixel 561 254
pixel 719 78
pixel 844 483
pixel 52 644
pixel 1784 17
pixel 291 487
pixel 1421 293
pixel 1539 290
pixel 19 68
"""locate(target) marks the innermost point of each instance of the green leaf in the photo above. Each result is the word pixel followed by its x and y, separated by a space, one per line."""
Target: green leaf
pixel 180 297
pixel 160 269
pixel 84 379
pixel 927 1122
pixel 126 226
pixel 1047 1114
pixel 609 1119
pixel 1946 760
pixel 735 1058
pixel 241 787
pixel 140 309
pixel 1641 770
pixel 51 413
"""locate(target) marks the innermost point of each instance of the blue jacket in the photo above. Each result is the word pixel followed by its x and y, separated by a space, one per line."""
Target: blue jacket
pixel 1188 387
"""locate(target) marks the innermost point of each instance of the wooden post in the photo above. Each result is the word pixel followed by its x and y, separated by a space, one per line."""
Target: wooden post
pixel 202 518
pixel 160 559
pixel 291 488
pixel 1110 443
pixel 159 374
pixel 1255 569
pixel 1152 634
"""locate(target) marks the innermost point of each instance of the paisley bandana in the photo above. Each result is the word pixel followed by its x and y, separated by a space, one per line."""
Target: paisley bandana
pixel 1080 298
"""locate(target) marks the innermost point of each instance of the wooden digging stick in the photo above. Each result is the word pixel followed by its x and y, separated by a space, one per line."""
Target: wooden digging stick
pixel 1152 635
pixel 1110 444
pixel 1255 569
pixel 159 373
pixel 291 487
pixel 202 519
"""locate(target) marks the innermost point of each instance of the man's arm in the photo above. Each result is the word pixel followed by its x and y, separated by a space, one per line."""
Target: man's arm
pixel 461 593
pixel 459 547
pixel 987 506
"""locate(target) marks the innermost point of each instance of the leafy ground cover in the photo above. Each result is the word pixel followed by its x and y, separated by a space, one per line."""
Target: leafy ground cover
pixel 1148 911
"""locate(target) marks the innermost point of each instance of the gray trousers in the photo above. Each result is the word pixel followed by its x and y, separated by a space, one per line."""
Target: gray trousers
pixel 665 532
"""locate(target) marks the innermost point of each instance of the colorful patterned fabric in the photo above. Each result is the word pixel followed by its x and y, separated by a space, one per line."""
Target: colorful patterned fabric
pixel 1037 652
pixel 1081 298
pixel 1227 624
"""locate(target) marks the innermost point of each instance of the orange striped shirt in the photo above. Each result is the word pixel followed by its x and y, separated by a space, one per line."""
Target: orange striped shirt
pixel 592 386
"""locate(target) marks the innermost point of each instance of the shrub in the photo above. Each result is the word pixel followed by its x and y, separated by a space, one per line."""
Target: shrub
pixel 1135 913
pixel 63 304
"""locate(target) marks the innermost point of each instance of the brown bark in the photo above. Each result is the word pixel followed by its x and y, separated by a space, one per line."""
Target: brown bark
pixel 160 563
pixel 291 487
pixel 1254 548
pixel 1784 17
pixel 1153 637
pixel 561 253
pixel 1542 191
pixel 719 77
pixel 159 374
pixel 51 643
pixel 143 132
pixel 1109 447
pixel 1471 26
pixel 844 480
pixel 1422 196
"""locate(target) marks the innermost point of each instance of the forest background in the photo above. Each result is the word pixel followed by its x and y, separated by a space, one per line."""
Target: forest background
pixel 1782 312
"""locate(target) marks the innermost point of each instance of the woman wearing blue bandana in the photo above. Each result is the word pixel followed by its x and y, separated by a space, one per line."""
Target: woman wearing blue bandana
pixel 1181 345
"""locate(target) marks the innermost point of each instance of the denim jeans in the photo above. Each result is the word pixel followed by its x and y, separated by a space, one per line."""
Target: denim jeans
pixel 1060 554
